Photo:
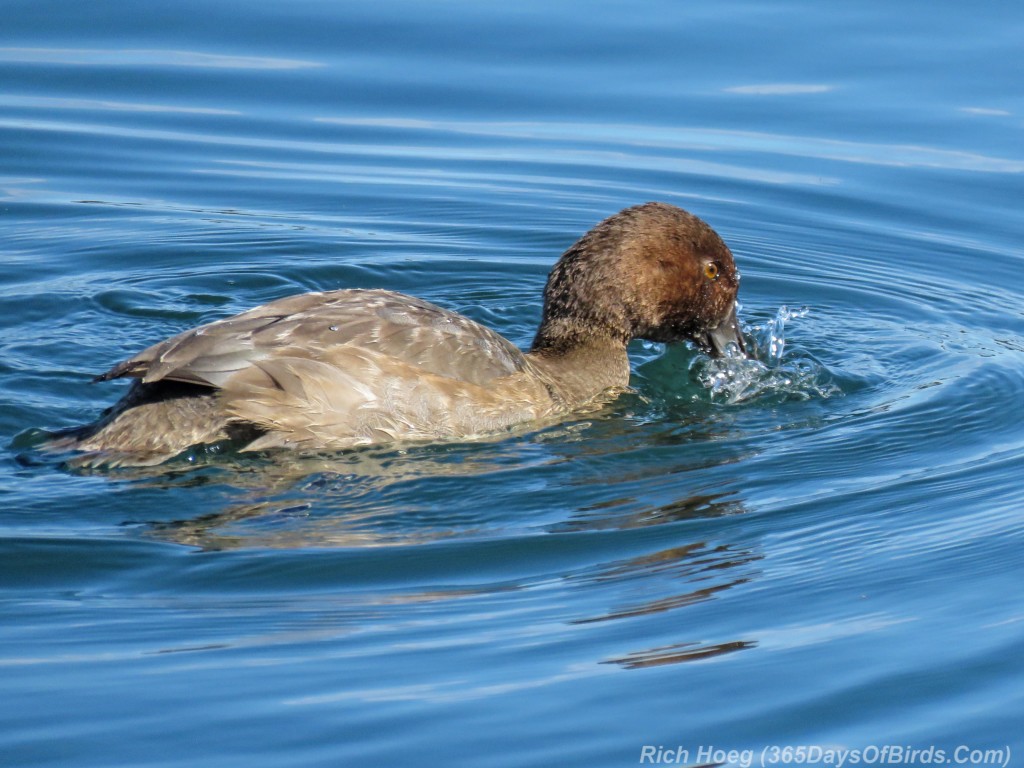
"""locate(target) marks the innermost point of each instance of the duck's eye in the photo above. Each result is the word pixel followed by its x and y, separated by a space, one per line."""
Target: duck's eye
pixel 711 270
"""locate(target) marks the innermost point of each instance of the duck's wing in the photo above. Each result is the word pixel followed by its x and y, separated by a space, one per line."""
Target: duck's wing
pixel 318 327
pixel 354 396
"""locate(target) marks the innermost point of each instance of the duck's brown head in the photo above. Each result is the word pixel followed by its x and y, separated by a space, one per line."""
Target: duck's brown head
pixel 652 272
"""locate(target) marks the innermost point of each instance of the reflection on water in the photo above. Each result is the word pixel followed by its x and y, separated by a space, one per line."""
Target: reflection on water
pixel 675 654
pixel 604 515
pixel 637 588
pixel 690 564
pixel 388 497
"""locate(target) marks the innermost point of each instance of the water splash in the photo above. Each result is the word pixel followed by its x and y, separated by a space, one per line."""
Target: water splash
pixel 767 372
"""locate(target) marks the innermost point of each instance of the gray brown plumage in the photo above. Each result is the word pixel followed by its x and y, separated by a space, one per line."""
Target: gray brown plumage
pixel 339 369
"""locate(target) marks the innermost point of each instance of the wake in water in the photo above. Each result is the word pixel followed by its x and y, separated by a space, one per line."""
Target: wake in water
pixel 767 372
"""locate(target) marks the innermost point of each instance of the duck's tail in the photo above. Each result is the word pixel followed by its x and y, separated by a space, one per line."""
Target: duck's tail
pixel 151 424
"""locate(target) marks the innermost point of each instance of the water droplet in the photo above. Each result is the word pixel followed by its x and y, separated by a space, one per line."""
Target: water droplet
pixel 735 378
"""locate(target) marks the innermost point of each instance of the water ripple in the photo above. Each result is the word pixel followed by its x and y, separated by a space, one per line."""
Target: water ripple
pixel 155 57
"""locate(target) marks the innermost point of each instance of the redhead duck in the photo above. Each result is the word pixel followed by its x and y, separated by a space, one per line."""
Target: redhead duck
pixel 337 369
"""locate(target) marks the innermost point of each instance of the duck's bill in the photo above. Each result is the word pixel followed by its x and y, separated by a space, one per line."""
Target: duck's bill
pixel 717 341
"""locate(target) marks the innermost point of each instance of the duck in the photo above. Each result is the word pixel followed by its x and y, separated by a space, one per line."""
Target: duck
pixel 339 369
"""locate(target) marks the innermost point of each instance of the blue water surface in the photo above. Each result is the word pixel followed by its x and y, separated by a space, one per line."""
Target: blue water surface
pixel 824 552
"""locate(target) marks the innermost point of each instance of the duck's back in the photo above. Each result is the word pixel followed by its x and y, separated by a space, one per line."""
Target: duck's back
pixel 331 370
pixel 315 325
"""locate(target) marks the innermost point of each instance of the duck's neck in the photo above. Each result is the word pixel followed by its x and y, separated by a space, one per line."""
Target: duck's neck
pixel 579 367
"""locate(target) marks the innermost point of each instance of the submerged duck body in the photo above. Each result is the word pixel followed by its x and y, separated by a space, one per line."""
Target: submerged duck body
pixel 338 369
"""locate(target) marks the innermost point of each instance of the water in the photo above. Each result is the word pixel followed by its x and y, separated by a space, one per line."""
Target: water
pixel 819 547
